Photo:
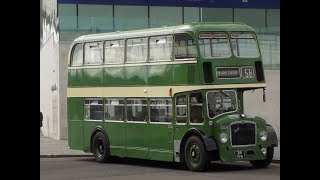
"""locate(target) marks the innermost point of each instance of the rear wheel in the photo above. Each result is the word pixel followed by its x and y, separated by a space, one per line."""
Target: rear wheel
pixel 195 154
pixel 265 162
pixel 100 146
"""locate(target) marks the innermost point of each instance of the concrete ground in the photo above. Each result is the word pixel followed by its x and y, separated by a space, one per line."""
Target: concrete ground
pixel 134 169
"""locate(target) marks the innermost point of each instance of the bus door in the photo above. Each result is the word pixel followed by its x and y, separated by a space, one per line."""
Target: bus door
pixel 181 119
pixel 189 113
pixel 160 129
pixel 136 134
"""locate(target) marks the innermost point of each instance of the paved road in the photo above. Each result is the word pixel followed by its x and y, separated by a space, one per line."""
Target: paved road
pixel 132 169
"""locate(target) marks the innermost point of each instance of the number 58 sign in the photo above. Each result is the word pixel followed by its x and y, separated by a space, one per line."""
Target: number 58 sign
pixel 247 72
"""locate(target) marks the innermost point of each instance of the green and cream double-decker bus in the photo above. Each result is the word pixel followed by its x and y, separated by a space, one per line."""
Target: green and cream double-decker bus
pixel 170 94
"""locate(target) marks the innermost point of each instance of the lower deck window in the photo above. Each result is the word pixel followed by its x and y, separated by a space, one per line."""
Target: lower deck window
pixel 161 110
pixel 196 108
pixel 181 109
pixel 114 109
pixel 93 109
pixel 137 110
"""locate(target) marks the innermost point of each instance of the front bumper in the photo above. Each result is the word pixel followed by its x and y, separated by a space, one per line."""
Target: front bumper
pixel 241 153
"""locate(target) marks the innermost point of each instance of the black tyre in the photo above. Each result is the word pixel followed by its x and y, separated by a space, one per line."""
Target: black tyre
pixel 100 147
pixel 195 154
pixel 264 163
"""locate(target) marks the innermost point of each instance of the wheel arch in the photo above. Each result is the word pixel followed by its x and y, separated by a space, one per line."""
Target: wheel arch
pixel 272 136
pixel 208 142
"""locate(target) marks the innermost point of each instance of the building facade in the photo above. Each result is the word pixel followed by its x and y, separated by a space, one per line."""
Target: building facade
pixel 61 21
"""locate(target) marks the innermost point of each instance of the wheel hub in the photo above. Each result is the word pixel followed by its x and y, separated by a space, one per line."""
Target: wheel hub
pixel 99 147
pixel 194 154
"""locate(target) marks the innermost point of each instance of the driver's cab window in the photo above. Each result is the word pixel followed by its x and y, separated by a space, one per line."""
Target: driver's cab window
pixel 196 108
pixel 181 109
pixel 221 102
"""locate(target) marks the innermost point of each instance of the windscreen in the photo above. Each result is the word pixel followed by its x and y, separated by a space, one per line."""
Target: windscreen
pixel 220 102
pixel 214 45
pixel 244 45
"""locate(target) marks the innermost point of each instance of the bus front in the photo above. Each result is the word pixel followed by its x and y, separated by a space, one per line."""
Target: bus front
pixel 232 64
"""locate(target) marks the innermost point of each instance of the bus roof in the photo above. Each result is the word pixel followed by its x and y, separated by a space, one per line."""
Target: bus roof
pixel 165 30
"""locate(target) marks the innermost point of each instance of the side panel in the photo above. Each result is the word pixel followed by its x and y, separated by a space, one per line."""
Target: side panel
pixel 160 137
pixel 160 75
pixel 135 75
pixel 113 76
pixel 74 77
pixel 116 134
pixel 186 74
pixel 137 140
pixel 180 74
pixel 92 77
pixel 75 123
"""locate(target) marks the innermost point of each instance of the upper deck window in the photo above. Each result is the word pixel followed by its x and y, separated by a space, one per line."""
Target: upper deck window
pixel 244 45
pixel 160 48
pixel 137 50
pixel 93 53
pixel 114 51
pixel 184 47
pixel 77 55
pixel 214 45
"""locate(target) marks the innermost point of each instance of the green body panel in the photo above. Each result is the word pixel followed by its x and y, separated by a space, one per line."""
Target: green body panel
pixel 75 123
pixel 116 134
pixel 178 74
pixel 75 134
pixel 160 75
pixel 88 128
pixel 92 77
pixel 114 76
pixel 186 74
pixel 135 75
pixel 137 140
pixel 226 151
pixel 75 77
pixel 160 140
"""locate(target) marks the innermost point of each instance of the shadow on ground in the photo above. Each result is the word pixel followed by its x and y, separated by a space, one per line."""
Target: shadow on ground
pixel 213 166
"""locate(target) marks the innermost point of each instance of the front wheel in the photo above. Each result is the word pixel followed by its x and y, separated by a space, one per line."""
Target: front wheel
pixel 195 154
pixel 264 163
pixel 100 147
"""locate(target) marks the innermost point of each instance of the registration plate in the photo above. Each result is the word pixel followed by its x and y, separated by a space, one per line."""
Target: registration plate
pixel 239 154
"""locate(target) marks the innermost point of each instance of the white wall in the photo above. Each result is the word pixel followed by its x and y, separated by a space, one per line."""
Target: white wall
pixel 48 20
pixel 63 82
pixel 49 98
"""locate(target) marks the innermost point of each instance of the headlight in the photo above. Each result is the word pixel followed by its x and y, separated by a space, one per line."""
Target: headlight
pixel 263 136
pixel 223 137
